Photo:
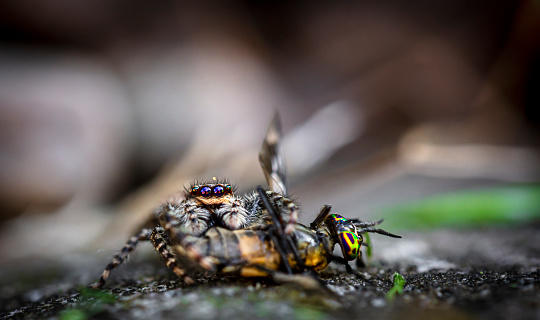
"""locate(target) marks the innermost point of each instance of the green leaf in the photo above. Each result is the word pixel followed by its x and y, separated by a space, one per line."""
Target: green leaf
pixel 509 205
pixel 369 245
pixel 73 314
pixel 399 282
pixel 97 296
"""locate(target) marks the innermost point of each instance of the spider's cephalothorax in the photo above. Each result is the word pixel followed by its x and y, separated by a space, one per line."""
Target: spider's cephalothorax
pixel 214 204
pixel 212 194
pixel 206 205
pixel 227 209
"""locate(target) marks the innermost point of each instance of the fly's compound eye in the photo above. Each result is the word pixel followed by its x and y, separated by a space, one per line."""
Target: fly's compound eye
pixel 337 218
pixel 218 190
pixel 206 191
pixel 350 244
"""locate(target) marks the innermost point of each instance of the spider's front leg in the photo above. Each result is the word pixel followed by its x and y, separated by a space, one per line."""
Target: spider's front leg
pixel 232 214
pixel 184 243
pixel 290 223
pixel 287 210
pixel 162 247
pixel 194 218
pixel 131 244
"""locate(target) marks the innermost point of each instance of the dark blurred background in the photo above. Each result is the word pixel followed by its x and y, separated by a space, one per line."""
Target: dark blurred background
pixel 107 107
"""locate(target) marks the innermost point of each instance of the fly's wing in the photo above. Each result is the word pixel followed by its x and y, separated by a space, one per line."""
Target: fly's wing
pixel 271 158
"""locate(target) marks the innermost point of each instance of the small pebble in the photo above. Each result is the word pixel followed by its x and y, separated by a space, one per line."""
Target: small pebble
pixel 378 303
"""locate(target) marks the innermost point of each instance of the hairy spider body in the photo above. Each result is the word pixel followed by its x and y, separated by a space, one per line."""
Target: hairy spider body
pixel 265 251
pixel 206 205
pixel 196 214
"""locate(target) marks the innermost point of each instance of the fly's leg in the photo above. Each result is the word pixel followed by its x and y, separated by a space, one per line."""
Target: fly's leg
pixel 161 246
pixel 172 228
pixel 131 244
pixel 350 270
pixel 342 261
pixel 379 231
pixel 367 226
pixel 360 264
pixel 361 224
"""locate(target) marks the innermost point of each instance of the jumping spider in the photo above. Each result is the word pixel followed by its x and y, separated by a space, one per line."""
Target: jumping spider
pixel 213 204
pixel 252 235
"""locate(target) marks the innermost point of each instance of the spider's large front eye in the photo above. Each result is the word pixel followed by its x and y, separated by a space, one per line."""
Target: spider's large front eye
pixel 350 244
pixel 218 190
pixel 206 191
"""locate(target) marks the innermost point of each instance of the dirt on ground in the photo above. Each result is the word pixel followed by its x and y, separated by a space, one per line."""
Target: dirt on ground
pixel 492 273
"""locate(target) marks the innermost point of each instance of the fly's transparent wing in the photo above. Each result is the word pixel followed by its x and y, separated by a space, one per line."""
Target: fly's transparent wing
pixel 271 158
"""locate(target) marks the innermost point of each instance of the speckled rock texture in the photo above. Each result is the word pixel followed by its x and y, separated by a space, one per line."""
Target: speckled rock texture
pixel 441 281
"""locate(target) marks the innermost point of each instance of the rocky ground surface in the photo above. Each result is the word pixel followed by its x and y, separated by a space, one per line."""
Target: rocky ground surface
pixel 491 273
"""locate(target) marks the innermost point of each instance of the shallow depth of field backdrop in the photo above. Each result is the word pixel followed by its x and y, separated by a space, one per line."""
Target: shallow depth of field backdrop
pixel 424 113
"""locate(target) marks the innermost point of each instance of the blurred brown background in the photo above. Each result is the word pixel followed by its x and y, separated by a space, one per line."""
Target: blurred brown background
pixel 107 107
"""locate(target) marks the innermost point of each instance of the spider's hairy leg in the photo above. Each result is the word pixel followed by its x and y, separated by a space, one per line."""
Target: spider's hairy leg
pixel 293 217
pixel 131 244
pixel 172 227
pixel 161 246
pixel 233 214
pixel 288 210
pixel 194 218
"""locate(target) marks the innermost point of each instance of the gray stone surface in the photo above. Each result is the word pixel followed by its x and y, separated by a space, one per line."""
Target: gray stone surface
pixel 491 273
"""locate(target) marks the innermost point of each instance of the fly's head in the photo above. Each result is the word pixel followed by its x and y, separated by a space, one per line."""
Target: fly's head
pixel 346 235
pixel 212 194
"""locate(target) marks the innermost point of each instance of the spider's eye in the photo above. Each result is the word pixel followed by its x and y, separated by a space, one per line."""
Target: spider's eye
pixel 206 191
pixel 194 190
pixel 350 244
pixel 218 191
pixel 228 188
